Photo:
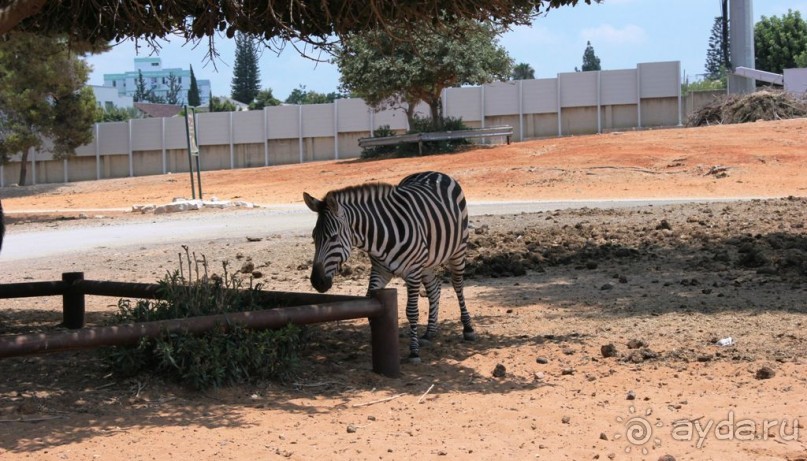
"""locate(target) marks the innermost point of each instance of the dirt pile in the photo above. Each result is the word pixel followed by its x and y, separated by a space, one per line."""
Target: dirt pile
pixel 764 105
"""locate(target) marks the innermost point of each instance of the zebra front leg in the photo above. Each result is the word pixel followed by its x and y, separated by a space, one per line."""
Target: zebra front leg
pixel 431 282
pixel 457 267
pixel 379 277
pixel 412 294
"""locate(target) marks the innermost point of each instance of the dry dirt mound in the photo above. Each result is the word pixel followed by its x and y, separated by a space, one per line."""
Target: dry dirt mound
pixel 763 105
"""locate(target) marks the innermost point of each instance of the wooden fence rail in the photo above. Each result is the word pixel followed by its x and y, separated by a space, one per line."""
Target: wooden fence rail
pixel 301 309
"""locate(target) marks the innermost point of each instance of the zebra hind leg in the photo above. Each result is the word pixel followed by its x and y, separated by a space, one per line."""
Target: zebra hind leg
pixel 457 267
pixel 431 282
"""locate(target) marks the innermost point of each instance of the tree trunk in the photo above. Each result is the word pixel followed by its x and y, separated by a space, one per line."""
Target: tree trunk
pixel 23 167
pixel 410 114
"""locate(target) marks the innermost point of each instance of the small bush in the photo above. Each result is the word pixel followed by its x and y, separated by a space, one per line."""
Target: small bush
pixel 374 152
pixel 425 125
pixel 223 356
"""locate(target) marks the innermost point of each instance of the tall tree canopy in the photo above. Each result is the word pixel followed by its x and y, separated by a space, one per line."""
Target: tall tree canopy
pixel 246 76
pixel 115 20
pixel 590 59
pixel 43 102
pixel 716 63
pixel 780 42
pixel 523 71
pixel 383 70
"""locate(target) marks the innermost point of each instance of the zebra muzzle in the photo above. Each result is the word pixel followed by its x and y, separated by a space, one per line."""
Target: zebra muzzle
pixel 319 280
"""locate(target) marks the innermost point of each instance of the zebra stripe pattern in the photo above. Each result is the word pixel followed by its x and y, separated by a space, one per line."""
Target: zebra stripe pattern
pixel 408 230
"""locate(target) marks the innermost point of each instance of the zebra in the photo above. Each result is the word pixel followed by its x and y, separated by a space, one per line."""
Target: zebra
pixel 408 230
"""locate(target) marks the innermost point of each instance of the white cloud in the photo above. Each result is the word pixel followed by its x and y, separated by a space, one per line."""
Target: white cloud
pixel 608 34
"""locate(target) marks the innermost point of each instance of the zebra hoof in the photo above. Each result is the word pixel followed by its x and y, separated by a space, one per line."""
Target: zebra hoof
pixel 414 359
pixel 469 335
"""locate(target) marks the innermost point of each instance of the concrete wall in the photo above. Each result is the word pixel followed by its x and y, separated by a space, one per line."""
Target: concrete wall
pixel 572 103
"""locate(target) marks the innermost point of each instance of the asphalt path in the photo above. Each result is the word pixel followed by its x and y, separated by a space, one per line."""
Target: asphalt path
pixel 190 226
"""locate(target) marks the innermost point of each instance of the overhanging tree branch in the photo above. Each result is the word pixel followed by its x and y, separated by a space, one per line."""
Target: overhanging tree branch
pixel 306 20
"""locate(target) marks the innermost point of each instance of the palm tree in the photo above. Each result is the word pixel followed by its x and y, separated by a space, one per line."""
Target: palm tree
pixel 523 71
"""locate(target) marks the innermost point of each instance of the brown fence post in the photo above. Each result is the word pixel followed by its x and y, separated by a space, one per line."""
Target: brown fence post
pixel 384 335
pixel 72 301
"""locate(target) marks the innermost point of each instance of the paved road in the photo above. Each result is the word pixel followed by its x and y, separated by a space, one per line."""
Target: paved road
pixel 189 227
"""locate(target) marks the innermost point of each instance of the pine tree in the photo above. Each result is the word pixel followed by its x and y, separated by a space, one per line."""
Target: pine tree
pixel 141 94
pixel 193 93
pixel 172 94
pixel 715 64
pixel 246 76
pixel 590 60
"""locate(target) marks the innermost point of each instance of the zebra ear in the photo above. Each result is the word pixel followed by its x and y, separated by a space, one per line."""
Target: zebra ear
pixel 312 203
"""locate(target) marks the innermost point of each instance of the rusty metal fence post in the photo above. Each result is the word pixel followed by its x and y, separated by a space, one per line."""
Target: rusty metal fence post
pixel 384 335
pixel 72 301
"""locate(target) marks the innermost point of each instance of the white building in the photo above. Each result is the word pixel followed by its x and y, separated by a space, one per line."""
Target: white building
pixel 157 80
pixel 108 97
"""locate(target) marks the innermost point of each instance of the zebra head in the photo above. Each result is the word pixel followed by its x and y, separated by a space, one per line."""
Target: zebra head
pixel 332 240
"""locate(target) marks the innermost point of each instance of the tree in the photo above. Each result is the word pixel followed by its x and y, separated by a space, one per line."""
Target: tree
pixel 590 59
pixel 221 105
pixel 141 93
pixel 385 71
pixel 172 95
pixel 246 75
pixel 299 95
pixel 523 71
pixel 193 93
pixel 264 99
pixel 778 42
pixel 716 64
pixel 44 103
pixel 103 21
pixel 116 114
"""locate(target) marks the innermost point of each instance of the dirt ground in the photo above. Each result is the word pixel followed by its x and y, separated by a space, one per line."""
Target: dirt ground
pixel 549 292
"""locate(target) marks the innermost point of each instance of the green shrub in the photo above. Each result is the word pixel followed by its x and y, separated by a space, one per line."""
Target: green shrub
pixel 374 152
pixel 222 356
pixel 419 125
pixel 425 125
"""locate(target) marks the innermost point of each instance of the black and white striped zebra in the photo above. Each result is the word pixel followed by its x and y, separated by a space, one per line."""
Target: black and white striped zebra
pixel 408 231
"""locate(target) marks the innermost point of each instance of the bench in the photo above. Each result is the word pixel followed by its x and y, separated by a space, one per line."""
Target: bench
pixel 420 138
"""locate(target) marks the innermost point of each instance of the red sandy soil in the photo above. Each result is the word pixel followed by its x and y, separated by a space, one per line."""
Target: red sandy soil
pixel 677 287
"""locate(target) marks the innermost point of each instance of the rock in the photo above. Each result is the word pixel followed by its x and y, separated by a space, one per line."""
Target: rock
pixel 542 360
pixel 500 371
pixel 631 396
pixel 664 225
pixel 607 286
pixel 666 458
pixel 565 420
pixel 257 274
pixel 254 239
pixel 351 428
pixel 567 371
pixel 603 436
pixel 636 344
pixel 765 373
pixel 705 358
pixel 247 267
pixel 608 350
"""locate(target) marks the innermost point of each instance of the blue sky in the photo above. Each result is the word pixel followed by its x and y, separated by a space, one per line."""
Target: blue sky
pixel 622 32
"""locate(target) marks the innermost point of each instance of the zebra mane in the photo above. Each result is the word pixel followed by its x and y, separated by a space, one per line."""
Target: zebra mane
pixel 362 190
